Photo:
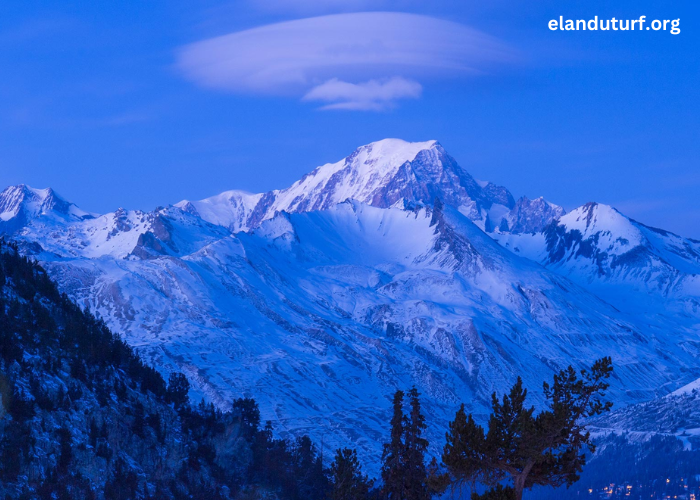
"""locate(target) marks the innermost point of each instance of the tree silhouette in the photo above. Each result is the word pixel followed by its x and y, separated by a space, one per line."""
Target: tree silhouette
pixel 178 387
pixel 348 482
pixel 404 471
pixel 528 449
pixel 393 470
pixel 248 415
pixel 414 451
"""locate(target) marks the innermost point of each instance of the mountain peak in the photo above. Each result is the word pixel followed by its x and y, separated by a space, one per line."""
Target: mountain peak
pixel 395 151
pixel 382 174
pixel 370 163
pixel 385 173
pixel 531 216
pixel 13 196
pixel 21 203
pixel 594 217
pixel 230 209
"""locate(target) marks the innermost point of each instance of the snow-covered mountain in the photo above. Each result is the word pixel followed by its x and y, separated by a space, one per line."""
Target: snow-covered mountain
pixel 21 204
pixel 631 265
pixel 676 414
pixel 382 174
pixel 391 267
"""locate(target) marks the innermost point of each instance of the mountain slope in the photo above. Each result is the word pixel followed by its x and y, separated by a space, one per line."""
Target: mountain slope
pixel 676 414
pixel 322 315
pixel 82 417
pixel 430 278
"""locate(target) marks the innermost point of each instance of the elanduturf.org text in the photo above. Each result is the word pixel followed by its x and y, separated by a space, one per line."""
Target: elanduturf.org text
pixel 613 24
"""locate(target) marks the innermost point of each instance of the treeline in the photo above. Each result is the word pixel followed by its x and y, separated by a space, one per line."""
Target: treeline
pixel 83 417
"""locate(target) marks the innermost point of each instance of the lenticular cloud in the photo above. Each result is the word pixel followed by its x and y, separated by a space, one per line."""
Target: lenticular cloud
pixel 374 95
pixel 367 50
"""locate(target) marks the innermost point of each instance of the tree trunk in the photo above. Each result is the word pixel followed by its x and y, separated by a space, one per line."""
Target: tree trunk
pixel 519 485
pixel 519 481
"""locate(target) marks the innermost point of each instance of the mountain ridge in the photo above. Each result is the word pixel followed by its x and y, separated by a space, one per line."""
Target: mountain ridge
pixel 338 301
pixel 381 174
pixel 19 204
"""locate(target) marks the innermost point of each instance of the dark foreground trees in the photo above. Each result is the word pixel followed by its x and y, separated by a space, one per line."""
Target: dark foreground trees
pixel 347 480
pixel 404 471
pixel 524 448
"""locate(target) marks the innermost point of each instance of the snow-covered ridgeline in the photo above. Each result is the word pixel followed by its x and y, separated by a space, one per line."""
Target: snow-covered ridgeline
pixel 325 306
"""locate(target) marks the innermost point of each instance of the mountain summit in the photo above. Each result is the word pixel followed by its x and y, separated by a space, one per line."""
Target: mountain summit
pixel 19 204
pixel 391 171
pixel 386 173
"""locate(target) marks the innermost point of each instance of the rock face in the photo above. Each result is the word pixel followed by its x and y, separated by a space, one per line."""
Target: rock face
pixel 381 174
pixel 530 216
pixel 355 281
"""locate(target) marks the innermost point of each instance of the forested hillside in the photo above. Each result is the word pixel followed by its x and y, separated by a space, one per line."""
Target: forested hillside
pixel 83 417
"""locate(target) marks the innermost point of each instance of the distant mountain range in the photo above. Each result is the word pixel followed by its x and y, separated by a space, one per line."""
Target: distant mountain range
pixel 389 268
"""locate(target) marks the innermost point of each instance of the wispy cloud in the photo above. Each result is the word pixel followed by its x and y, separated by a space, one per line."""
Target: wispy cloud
pixel 374 95
pixel 342 59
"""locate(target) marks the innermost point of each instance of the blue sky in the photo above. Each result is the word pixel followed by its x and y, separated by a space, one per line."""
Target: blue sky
pixel 139 104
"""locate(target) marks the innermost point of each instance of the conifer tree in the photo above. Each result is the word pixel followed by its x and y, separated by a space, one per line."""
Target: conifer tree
pixel 139 419
pixel 393 466
pixel 123 484
pixel 404 471
pixel 311 479
pixel 248 417
pixel 65 442
pixel 347 480
pixel 178 388
pixel 415 446
pixel 546 449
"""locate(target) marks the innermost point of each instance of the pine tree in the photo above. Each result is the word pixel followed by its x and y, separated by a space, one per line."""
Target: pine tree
pixel 178 387
pixel 415 447
pixel 499 492
pixel 93 433
pixel 348 482
pixel 393 466
pixel 546 449
pixel 248 417
pixel 404 471
pixel 464 453
pixel 65 443
pixel 139 419
pixel 311 479
pixel 123 484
